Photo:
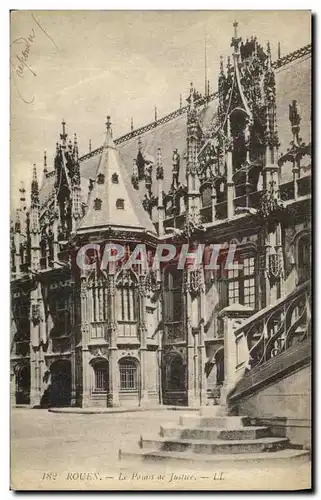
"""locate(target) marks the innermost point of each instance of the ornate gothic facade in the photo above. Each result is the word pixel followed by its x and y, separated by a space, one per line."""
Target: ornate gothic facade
pixel 231 167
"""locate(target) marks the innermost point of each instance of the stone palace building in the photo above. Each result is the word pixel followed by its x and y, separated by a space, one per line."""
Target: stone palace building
pixel 232 167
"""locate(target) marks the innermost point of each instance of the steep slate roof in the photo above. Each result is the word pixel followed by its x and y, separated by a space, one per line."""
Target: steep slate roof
pixel 106 193
pixel 293 81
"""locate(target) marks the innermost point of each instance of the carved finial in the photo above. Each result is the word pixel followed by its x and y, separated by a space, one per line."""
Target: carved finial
pixel 221 65
pixel 155 111
pixel 180 101
pixel 295 119
pixel 159 169
pixel 268 50
pixel 135 175
pixel 131 124
pixel 108 124
pixel 63 136
pixel 17 226
pixel 175 171
pixel 75 151
pixel 139 144
pixel 89 146
pixel 191 93
pixel 34 187
pixel 45 170
pixel 235 40
pixel 279 50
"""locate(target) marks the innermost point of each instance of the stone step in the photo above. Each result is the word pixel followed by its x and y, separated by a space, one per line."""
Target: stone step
pixel 194 461
pixel 169 431
pixel 212 446
pixel 225 422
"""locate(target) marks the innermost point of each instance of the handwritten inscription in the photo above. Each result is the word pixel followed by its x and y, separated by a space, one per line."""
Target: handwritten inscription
pixel 21 51
pixel 22 57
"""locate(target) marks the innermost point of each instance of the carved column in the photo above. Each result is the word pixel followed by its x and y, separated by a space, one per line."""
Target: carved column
pixel 229 166
pixel 12 387
pixel 86 380
pixel 201 346
pixel 143 340
pixel 192 354
pixel 35 375
pixel 73 345
pixel 213 196
pixel 113 394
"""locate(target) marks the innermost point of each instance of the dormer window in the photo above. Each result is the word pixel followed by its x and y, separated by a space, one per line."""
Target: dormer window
pixel 114 178
pixel 120 204
pixel 97 204
pixel 100 179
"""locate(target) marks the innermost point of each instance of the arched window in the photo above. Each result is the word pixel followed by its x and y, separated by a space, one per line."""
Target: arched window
pixel 173 295
pixel 304 257
pixel 100 368
pixel 128 371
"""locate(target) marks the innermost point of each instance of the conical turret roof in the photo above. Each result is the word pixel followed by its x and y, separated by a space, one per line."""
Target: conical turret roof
pixel 113 202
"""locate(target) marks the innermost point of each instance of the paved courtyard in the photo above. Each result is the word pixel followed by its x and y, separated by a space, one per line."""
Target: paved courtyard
pixel 80 451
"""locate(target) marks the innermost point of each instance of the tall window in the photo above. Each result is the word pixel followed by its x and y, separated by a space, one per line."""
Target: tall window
pixel 61 313
pixel 173 295
pixel 99 300
pixel 126 303
pixel 239 284
pixel 304 258
pixel 128 374
pixel 100 376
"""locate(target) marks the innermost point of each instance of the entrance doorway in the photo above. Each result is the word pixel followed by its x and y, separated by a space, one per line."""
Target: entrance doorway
pixel 60 387
pixel 23 385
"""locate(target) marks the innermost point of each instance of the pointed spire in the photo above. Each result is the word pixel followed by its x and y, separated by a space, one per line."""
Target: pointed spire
pixel 75 150
pixel 191 93
pixel 268 50
pixel 17 226
pixel 34 188
pixel 236 39
pixel 63 136
pixel 180 101
pixel 109 143
pixel 205 65
pixel 131 124
pixel 139 144
pixel 113 202
pixel 22 192
pixel 89 147
pixel 45 170
pixel 155 117
pixel 221 66
pixel 159 165
pixel 135 178
pixel 279 50
pixel 229 65
pixel 108 124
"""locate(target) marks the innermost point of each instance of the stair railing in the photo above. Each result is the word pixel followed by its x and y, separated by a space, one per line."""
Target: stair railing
pixel 274 329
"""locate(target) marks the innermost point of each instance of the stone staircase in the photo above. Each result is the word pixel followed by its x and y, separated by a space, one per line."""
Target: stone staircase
pixel 211 440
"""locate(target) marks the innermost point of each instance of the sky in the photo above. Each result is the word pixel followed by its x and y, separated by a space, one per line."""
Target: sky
pixel 81 66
